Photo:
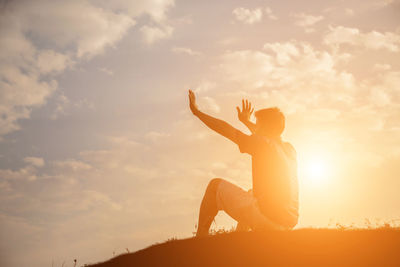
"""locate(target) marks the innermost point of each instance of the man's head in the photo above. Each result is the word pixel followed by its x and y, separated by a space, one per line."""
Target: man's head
pixel 270 122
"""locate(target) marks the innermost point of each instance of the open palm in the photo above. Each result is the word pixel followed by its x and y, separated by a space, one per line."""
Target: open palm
pixel 192 102
pixel 246 112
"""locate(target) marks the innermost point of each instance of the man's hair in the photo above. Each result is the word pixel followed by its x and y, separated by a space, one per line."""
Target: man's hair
pixel 271 120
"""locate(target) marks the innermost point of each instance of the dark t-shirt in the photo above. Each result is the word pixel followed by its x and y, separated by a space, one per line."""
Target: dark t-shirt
pixel 274 169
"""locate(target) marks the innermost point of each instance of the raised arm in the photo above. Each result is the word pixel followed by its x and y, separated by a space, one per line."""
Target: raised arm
pixel 244 115
pixel 220 126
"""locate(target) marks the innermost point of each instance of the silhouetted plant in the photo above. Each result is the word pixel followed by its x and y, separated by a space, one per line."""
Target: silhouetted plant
pixel 171 239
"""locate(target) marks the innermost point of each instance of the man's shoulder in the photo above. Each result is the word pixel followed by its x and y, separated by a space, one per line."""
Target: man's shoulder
pixel 289 149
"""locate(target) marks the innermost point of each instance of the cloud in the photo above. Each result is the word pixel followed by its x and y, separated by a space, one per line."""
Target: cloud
pixel 50 61
pixel 155 136
pixel 285 68
pixel 34 48
pixel 383 3
pixel 382 67
pixel 35 161
pixel 306 21
pixel 374 40
pixel 270 14
pixel 247 16
pixel 285 52
pixel 106 71
pixel 81 25
pixel 300 78
pixel 156 9
pixel 153 34
pixel 64 106
pixel 205 86
pixel 256 62
pixel 102 187
pixel 72 164
pixel 185 50
pixel 209 104
pixel 349 11
pixel 27 173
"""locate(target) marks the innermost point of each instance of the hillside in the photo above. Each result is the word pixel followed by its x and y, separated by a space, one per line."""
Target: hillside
pixel 303 247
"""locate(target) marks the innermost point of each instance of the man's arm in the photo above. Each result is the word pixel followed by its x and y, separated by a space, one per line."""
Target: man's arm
pixel 244 115
pixel 220 126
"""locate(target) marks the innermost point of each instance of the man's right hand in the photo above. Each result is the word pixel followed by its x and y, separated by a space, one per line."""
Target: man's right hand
pixel 192 103
pixel 245 114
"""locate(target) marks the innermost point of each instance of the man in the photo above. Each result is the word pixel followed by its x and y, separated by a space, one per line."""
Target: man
pixel 273 201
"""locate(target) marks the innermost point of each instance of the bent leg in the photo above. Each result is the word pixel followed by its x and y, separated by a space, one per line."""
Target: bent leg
pixel 223 195
pixel 208 207
pixel 242 206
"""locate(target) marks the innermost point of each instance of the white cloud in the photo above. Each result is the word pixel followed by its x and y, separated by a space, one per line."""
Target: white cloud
pixel 64 106
pixel 382 67
pixel 51 61
pixel 383 3
pixel 247 16
pixel 80 24
pixel 157 9
pixel 281 69
pixel 35 161
pixel 20 92
pixel 209 104
pixel 27 173
pixel 72 165
pixel 185 50
pixel 301 79
pixel 270 14
pixel 155 136
pixel 306 21
pixel 205 86
pixel 106 71
pixel 246 65
pixel 153 34
pixel 349 11
pixel 69 32
pixel 340 35
pixel 284 51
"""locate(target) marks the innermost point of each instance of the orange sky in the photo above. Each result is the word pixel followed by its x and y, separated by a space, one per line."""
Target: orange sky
pixel 98 147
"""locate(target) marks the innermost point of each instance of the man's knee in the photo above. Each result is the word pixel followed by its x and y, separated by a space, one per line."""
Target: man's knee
pixel 213 184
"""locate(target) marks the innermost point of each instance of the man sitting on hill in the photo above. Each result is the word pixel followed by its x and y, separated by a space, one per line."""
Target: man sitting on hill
pixel 273 201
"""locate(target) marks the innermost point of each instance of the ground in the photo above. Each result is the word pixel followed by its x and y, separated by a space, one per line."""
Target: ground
pixel 302 247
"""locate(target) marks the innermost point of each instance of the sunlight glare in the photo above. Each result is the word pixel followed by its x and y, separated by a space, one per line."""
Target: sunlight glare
pixel 317 170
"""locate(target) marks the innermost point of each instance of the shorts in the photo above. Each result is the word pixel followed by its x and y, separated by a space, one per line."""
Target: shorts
pixel 242 206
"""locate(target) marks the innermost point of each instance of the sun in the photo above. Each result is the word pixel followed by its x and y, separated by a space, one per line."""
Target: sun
pixel 316 169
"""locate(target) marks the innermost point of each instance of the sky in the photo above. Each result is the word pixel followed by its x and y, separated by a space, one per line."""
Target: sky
pixel 99 152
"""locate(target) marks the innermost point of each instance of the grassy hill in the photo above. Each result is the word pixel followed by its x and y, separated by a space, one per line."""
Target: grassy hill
pixel 303 247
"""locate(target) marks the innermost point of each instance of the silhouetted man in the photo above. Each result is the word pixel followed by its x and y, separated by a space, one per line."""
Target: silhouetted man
pixel 273 201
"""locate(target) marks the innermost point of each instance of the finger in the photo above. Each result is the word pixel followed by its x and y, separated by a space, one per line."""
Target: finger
pixel 242 104
pixel 238 110
pixel 247 104
pixel 251 112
